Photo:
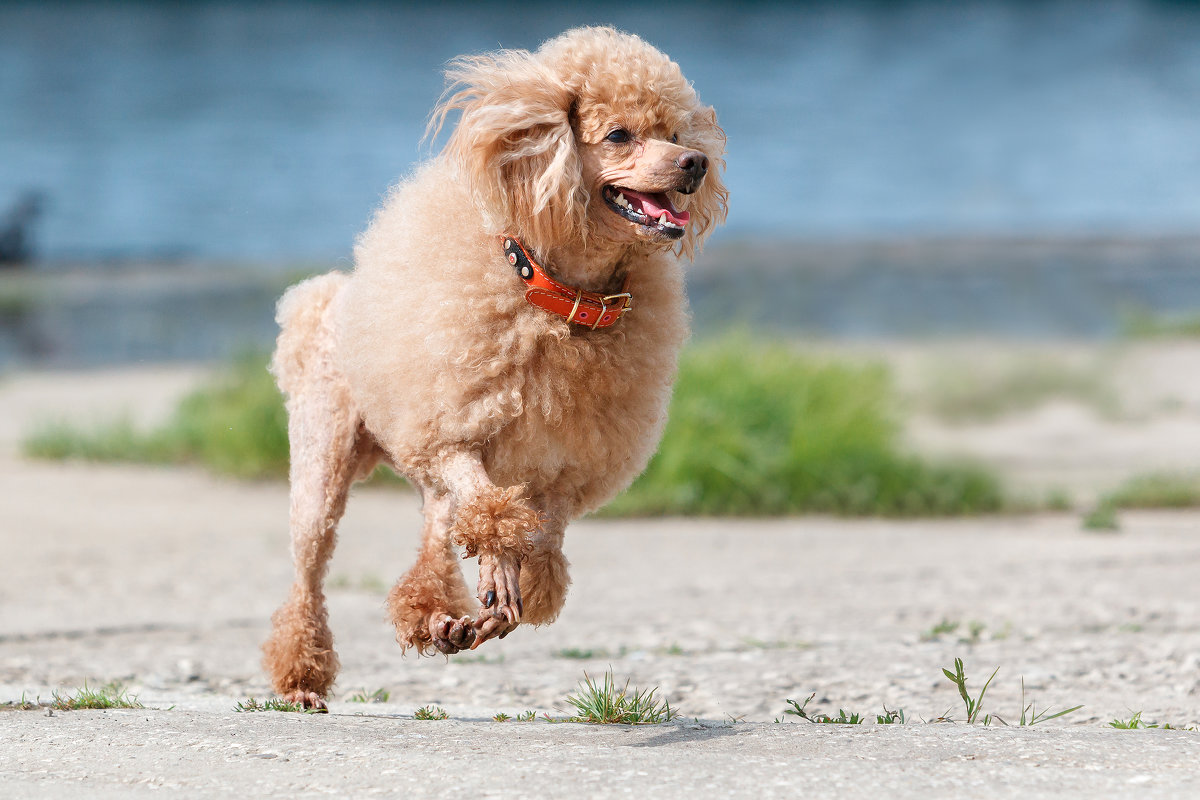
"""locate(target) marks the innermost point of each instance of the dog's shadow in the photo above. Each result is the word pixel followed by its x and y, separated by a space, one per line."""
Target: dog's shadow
pixel 692 733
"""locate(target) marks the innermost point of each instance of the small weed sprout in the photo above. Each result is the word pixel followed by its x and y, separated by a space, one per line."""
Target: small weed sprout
pixel 946 626
pixel 775 644
pixel 973 704
pixel 580 653
pixel 377 696
pixel 430 713
pixel 1132 724
pixel 1135 723
pixel 974 707
pixel 111 695
pixel 605 704
pixel 24 704
pixel 501 717
pixel 801 710
pixel 527 716
pixel 972 636
pixel 1030 716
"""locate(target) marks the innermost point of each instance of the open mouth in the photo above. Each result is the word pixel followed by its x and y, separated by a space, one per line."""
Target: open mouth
pixel 650 210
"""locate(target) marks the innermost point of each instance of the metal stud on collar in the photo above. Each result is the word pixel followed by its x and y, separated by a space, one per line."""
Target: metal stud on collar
pixel 524 269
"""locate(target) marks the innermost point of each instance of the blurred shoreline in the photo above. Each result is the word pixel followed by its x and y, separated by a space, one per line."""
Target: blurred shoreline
pixel 116 311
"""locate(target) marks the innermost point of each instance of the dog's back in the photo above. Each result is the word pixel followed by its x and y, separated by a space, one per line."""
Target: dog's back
pixel 305 327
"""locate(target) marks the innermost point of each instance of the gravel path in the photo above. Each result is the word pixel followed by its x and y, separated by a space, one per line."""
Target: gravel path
pixel 164 579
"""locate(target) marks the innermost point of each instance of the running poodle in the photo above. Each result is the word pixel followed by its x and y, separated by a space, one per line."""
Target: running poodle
pixel 507 340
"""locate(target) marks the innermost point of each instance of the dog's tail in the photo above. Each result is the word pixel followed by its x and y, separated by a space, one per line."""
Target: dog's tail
pixel 306 331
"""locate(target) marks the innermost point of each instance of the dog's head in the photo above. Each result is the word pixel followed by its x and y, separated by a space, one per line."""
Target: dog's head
pixel 597 134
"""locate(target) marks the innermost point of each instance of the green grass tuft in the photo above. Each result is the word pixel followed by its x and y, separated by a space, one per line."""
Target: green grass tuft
pixel 111 695
pixel 236 426
pixel 1136 723
pixel 377 696
pixel 581 653
pixel 757 429
pixel 967 392
pixel 430 713
pixel 275 704
pixel 1143 324
pixel 1102 518
pixel 1157 490
pixel 605 704
pixel 1153 490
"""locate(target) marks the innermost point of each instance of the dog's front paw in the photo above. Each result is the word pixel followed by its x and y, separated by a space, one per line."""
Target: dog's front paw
pixel 496 526
pixel 500 596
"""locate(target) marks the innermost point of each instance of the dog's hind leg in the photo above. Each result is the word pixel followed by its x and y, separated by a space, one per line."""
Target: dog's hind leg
pixel 430 606
pixel 328 451
pixel 544 576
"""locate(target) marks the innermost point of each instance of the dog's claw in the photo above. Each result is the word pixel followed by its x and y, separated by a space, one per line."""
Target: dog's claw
pixel 490 600
pixel 492 624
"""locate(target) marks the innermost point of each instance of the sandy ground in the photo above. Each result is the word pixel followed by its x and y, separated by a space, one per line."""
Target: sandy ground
pixel 164 579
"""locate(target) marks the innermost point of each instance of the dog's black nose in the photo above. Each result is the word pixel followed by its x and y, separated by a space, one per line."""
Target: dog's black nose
pixel 694 163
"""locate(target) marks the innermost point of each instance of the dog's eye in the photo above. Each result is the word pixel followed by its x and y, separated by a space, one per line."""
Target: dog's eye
pixel 674 138
pixel 619 136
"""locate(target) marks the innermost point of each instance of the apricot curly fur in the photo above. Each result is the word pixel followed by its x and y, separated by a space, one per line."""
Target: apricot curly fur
pixel 544 582
pixel 299 656
pixel 510 421
pixel 426 591
pixel 496 521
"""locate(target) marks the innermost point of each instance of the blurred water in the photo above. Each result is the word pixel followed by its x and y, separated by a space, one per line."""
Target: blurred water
pixel 1009 289
pixel 268 132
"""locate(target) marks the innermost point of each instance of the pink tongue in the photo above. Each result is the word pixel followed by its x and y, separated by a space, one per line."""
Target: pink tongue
pixel 653 205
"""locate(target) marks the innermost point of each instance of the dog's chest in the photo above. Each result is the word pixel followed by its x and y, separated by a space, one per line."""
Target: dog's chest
pixel 588 419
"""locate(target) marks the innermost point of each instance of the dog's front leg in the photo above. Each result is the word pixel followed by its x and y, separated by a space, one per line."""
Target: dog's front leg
pixel 494 524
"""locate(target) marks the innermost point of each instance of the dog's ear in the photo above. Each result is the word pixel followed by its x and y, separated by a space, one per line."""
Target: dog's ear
pixel 710 203
pixel 515 146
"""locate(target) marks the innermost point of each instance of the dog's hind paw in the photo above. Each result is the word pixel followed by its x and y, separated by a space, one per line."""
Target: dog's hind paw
pixel 451 635
pixel 309 700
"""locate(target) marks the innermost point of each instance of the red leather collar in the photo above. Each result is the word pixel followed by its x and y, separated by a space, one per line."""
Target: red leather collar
pixel 589 309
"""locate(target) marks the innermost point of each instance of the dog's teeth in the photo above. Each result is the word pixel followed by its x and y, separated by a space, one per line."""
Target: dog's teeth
pixel 662 218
